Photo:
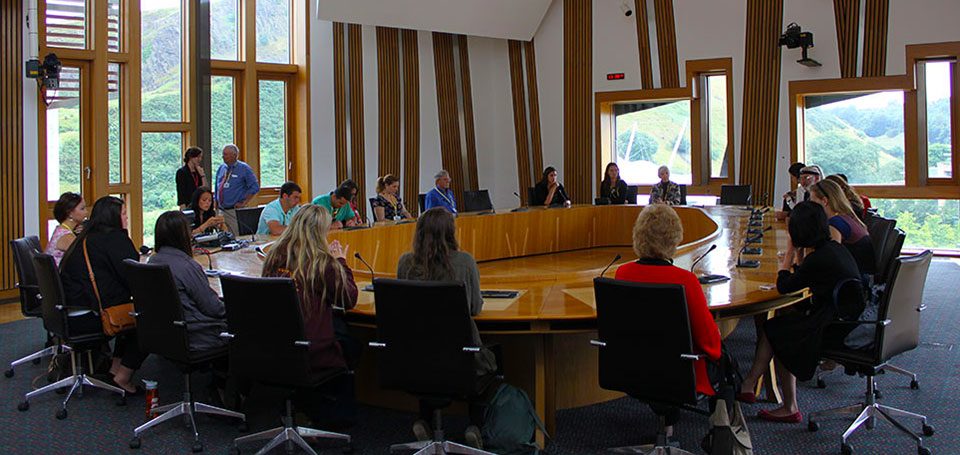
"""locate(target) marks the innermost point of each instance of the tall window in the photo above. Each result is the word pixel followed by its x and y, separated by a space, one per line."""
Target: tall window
pixel 224 29
pixel 651 134
pixel 929 223
pixel 114 122
pixel 273 140
pixel 860 135
pixel 716 97
pixel 222 120
pixel 161 61
pixel 937 91
pixel 66 22
pixel 163 152
pixel 273 31
pixel 65 163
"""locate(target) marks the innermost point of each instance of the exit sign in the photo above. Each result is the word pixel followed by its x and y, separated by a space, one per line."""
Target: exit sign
pixel 614 76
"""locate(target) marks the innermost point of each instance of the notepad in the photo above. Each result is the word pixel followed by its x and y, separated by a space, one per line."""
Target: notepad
pixel 498 294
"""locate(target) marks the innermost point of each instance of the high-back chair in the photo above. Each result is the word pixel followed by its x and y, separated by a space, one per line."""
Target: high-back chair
pixel 163 330
pixel 24 249
pixel 735 194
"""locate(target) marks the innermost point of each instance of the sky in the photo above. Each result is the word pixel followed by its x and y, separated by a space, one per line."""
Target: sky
pixel 149 5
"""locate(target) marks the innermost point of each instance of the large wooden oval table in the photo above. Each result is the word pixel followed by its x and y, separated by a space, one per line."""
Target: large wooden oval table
pixel 551 257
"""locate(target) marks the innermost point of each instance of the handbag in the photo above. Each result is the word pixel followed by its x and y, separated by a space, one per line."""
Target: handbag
pixel 117 318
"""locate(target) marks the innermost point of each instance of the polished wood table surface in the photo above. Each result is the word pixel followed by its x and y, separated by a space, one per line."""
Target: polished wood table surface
pixel 552 256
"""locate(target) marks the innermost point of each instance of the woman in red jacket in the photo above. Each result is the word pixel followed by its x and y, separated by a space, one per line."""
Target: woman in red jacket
pixel 656 234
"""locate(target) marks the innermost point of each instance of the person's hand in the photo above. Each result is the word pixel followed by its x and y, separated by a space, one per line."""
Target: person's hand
pixel 200 171
pixel 552 186
pixel 351 222
pixel 338 251
pixel 336 225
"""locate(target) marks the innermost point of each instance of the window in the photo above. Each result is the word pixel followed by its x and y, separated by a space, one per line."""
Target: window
pixel 64 135
pixel 273 141
pixel 716 98
pixel 273 31
pixel 161 62
pixel 860 135
pixel 66 22
pixel 936 93
pixel 928 223
pixel 161 154
pixel 113 25
pixel 224 29
pixel 651 134
pixel 114 130
pixel 221 113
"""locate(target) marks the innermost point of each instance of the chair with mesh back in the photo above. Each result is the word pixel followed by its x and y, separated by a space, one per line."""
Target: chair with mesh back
pixel 24 249
pixel 896 330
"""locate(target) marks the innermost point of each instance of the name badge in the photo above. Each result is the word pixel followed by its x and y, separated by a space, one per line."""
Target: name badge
pixel 226 185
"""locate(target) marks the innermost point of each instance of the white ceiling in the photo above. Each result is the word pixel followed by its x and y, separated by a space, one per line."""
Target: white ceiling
pixel 507 19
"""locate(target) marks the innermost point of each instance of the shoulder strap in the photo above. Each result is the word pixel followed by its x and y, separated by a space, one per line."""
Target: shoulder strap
pixel 93 279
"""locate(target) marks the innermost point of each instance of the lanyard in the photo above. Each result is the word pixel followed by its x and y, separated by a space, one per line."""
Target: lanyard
pixel 444 196
pixel 223 182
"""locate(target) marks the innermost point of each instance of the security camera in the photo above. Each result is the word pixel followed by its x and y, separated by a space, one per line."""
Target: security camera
pixel 627 10
pixel 793 38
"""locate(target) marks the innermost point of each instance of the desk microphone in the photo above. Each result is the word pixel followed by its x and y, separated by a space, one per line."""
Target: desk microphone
pixel 522 208
pixel 712 247
pixel 210 270
pixel 372 277
pixel 610 264
pixel 563 193
pixel 750 263
pixel 759 236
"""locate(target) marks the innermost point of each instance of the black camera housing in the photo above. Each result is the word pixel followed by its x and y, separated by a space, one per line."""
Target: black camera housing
pixel 794 38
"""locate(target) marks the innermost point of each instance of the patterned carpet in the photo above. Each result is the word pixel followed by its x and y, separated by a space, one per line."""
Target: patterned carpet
pixel 97 426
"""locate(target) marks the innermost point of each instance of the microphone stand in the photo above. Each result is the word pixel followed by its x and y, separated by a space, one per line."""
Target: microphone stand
pixel 522 208
pixel 372 276
pixel 617 258
pixel 710 278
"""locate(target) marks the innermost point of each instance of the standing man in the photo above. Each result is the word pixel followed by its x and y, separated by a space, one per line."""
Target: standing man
pixel 236 185
pixel 441 195
pixel 276 215
pixel 338 204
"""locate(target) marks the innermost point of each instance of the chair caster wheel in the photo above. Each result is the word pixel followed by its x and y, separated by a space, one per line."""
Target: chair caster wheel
pixel 61 414
pixel 122 401
pixel 243 427
pixel 914 384
pixel 921 450
pixel 23 406
pixel 35 361
pixel 135 442
pixel 928 430
pixel 8 373
pixel 846 449
pixel 197 447
pixel 813 426
pixel 821 384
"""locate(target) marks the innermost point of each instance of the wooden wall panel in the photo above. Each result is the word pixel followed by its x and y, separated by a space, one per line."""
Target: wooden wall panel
pixel 875 25
pixel 388 90
pixel 667 44
pixel 847 15
pixel 577 99
pixel 411 118
pixel 357 160
pixel 450 149
pixel 761 97
pixel 521 132
pixel 339 104
pixel 533 105
pixel 468 129
pixel 11 140
pixel 643 43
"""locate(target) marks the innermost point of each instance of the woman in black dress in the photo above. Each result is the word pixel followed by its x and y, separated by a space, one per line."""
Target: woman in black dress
pixel 613 187
pixel 190 176
pixel 549 191
pixel 795 338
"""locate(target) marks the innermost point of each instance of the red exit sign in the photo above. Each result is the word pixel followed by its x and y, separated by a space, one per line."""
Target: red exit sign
pixel 614 76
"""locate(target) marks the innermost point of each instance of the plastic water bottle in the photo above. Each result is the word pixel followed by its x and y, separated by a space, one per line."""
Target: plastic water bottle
pixel 152 398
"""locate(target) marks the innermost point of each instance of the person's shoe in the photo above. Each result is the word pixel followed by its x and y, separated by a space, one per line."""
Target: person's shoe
pixel 746 397
pixel 796 417
pixel 421 429
pixel 472 436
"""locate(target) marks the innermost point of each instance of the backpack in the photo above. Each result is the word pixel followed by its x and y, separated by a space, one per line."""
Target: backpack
pixel 510 423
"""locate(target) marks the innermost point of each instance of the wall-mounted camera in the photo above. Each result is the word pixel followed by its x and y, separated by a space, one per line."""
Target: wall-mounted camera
pixel 793 38
pixel 626 8
pixel 48 72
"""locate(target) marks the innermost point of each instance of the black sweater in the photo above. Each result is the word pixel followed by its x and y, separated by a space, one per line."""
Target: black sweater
pixel 107 251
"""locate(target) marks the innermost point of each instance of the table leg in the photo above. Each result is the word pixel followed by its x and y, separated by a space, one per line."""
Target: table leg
pixel 545 385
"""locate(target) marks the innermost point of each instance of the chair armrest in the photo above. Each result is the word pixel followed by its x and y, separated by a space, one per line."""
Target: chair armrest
pixel 70 308
pixel 691 356
pixel 303 343
pixel 471 349
pixel 28 287
pixel 879 323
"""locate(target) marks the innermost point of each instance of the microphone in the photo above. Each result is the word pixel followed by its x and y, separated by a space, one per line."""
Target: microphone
pixel 522 208
pixel 617 258
pixel 712 247
pixel 750 263
pixel 360 258
pixel 566 199
pixel 759 236
pixel 708 279
pixel 210 271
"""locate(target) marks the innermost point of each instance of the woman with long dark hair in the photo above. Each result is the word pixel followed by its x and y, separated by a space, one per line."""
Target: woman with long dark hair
pixel 190 176
pixel 70 211
pixel 613 187
pixel 205 218
pixel 435 256
pixel 103 244
pixel 549 191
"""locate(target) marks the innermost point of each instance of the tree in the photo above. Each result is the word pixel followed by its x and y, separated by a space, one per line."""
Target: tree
pixel 642 147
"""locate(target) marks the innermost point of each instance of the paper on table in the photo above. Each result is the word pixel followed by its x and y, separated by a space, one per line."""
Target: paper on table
pixel 502 304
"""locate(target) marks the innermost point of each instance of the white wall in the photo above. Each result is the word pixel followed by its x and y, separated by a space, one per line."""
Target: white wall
pixel 549 49
pixel 31 166
pixel 912 22
pixel 322 132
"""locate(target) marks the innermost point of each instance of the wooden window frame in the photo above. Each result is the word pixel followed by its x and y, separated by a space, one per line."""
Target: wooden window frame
pixel 702 183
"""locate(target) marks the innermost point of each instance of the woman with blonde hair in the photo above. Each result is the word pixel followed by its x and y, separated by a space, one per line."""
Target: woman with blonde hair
pixel 858 202
pixel 845 227
pixel 656 234
pixel 387 206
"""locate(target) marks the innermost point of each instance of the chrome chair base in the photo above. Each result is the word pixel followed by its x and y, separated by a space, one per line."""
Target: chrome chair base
pixel 289 435
pixel 438 448
pixel 45 352
pixel 76 383
pixel 650 449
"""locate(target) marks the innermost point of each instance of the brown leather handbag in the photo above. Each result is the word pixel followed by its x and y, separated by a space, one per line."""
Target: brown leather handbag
pixel 117 318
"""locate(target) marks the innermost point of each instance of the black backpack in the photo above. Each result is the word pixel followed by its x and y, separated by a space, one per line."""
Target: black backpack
pixel 511 423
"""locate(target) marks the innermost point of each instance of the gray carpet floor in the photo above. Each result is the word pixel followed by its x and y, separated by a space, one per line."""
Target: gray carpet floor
pixel 97 426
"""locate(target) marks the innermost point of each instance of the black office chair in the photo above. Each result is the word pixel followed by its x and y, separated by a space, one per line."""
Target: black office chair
pixel 422 200
pixel 683 194
pixel 735 194
pixel 424 348
pixel 477 201
pixel 897 330
pixel 248 218
pixel 24 249
pixel 531 195
pixel 57 317
pixel 652 363
pixel 631 195
pixel 373 211
pixel 268 345
pixel 880 230
pixel 163 330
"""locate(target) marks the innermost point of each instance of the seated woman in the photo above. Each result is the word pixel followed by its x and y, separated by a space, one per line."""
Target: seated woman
pixel 387 206
pixel 613 187
pixel 205 218
pixel 548 191
pixel 102 246
pixel 858 202
pixel 202 309
pixel 665 192
pixel 656 234
pixel 325 283
pixel 435 256
pixel 845 227
pixel 795 339
pixel 70 211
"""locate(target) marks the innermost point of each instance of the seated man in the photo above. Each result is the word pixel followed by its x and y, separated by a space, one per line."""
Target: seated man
pixel 441 195
pixel 338 204
pixel 277 214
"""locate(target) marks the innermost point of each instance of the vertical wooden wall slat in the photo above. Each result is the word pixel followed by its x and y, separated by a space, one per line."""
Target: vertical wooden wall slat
pixel 411 118
pixel 388 79
pixel 11 139
pixel 578 99
pixel 467 95
pixel 521 133
pixel 847 16
pixel 761 97
pixel 643 44
pixel 533 107
pixel 450 149
pixel 357 159
pixel 876 20
pixel 339 105
pixel 667 44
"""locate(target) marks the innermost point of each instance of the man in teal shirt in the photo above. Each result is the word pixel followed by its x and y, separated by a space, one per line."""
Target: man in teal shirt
pixel 277 214
pixel 338 204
